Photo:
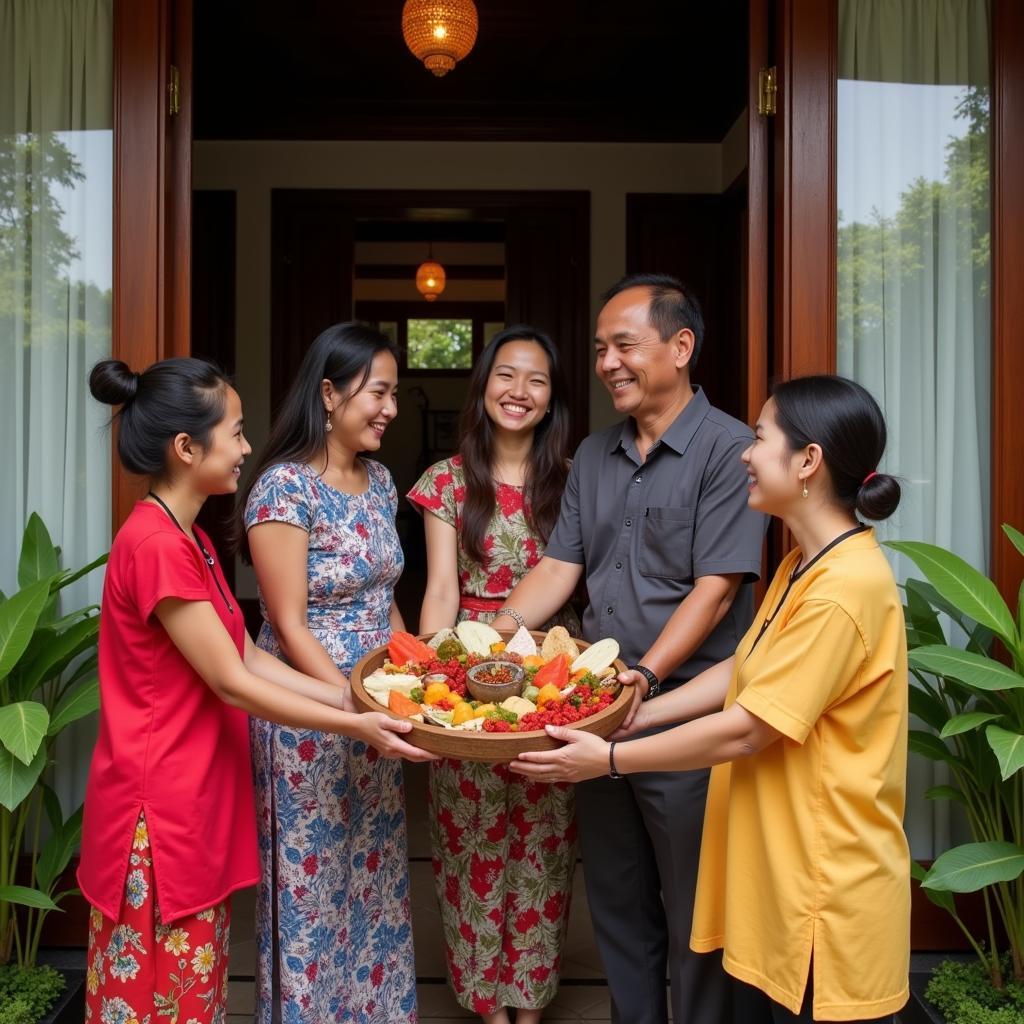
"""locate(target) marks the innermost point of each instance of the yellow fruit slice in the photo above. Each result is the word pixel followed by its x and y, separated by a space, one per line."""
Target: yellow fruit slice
pixel 597 657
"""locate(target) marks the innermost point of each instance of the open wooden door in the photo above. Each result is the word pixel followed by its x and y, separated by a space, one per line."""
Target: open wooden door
pixel 152 192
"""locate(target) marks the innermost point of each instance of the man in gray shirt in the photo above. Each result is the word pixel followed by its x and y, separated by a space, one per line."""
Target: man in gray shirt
pixel 655 513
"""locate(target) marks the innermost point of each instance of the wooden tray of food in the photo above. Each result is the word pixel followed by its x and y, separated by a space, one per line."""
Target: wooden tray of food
pixel 468 725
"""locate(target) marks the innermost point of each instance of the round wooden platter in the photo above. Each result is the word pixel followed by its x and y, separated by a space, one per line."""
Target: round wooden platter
pixel 489 747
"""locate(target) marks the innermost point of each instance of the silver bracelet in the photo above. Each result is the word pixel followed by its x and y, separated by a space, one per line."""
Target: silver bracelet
pixel 513 615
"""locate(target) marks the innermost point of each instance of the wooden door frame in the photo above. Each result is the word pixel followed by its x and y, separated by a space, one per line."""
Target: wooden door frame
pixel 152 196
pixel 805 243
pixel 1007 296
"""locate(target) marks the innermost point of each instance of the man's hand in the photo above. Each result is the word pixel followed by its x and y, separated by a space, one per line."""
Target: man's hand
pixel 640 687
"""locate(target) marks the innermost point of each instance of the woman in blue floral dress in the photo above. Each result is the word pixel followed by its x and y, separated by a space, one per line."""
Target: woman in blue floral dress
pixel 333 915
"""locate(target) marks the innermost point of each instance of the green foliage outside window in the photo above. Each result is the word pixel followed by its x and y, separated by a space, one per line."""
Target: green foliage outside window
pixel 440 344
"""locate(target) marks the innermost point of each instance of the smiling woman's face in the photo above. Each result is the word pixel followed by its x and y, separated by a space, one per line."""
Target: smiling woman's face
pixel 359 421
pixel 518 389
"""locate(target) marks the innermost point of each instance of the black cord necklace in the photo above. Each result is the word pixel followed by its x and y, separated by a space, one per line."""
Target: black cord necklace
pixel 207 557
pixel 796 574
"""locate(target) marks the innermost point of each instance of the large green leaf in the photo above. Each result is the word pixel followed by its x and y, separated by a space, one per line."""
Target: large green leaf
pixel 926 706
pixel 965 722
pixel 1009 749
pixel 18 618
pixel 945 793
pixel 929 745
pixel 921 616
pixel 973 669
pixel 17 779
pixel 972 866
pixel 942 899
pixel 38 559
pixel 962 585
pixel 54 656
pixel 71 577
pixel 22 728
pixel 58 850
pixel 83 700
pixel 1015 536
pixel 51 804
pixel 26 897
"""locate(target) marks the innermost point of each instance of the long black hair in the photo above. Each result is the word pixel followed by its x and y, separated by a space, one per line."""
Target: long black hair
pixel 842 417
pixel 342 354
pixel 174 396
pixel 548 466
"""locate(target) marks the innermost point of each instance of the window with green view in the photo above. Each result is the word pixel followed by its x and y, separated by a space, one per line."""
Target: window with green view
pixel 440 344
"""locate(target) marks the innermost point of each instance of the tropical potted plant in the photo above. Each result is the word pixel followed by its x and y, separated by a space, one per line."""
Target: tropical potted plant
pixel 971 694
pixel 47 681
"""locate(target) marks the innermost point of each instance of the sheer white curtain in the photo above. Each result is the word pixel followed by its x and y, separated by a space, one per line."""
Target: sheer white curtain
pixel 913 274
pixel 56 189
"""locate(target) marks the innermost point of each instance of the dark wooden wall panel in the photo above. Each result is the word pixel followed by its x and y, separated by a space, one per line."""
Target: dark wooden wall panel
pixel 699 239
pixel 547 267
pixel 312 234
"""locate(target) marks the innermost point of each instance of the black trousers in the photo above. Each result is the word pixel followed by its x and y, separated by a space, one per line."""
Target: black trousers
pixel 640 840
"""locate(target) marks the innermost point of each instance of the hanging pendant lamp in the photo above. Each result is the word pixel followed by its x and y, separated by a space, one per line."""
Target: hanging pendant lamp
pixel 439 32
pixel 430 277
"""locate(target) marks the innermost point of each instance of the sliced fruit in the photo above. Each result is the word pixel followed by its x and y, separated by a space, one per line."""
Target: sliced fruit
pixel 597 657
pixel 533 661
pixel 555 671
pixel 518 706
pixel 404 648
pixel 402 705
pixel 483 710
pixel 435 693
pixel 477 637
pixel 547 694
pixel 462 712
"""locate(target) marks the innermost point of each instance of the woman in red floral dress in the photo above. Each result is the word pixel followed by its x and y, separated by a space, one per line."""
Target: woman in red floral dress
pixel 503 850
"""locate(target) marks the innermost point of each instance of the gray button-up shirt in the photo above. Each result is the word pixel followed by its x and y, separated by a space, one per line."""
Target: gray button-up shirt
pixel 645 531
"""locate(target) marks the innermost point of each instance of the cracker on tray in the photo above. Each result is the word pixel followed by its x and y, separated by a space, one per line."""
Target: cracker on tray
pixel 558 642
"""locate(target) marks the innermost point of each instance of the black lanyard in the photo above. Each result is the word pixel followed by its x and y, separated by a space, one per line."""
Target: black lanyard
pixel 795 575
pixel 207 557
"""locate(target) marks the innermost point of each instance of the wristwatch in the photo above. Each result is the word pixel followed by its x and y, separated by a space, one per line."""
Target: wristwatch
pixel 653 685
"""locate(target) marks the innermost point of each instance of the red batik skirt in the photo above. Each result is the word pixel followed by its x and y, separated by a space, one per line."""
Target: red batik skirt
pixel 142 971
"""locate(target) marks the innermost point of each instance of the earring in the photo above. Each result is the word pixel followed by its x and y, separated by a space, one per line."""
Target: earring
pixel 805 489
pixel 328 426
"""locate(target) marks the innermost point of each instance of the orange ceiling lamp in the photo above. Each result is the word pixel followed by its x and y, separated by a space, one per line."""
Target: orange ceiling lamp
pixel 439 32
pixel 430 279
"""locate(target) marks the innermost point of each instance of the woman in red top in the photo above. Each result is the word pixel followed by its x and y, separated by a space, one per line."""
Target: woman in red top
pixel 169 829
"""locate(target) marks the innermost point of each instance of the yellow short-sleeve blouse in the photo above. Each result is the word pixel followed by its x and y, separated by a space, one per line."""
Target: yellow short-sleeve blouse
pixel 803 849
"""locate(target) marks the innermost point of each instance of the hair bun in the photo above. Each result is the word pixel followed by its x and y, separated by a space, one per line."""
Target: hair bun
pixel 878 496
pixel 112 382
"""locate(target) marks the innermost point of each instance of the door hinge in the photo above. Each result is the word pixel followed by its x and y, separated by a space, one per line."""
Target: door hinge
pixel 174 92
pixel 767 90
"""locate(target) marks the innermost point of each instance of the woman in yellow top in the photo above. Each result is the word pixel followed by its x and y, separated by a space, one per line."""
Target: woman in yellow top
pixel 804 873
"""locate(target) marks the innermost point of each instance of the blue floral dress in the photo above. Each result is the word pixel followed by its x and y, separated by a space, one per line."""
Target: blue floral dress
pixel 334 885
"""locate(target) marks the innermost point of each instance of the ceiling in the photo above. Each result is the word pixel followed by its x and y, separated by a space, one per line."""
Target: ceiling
pixel 587 70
